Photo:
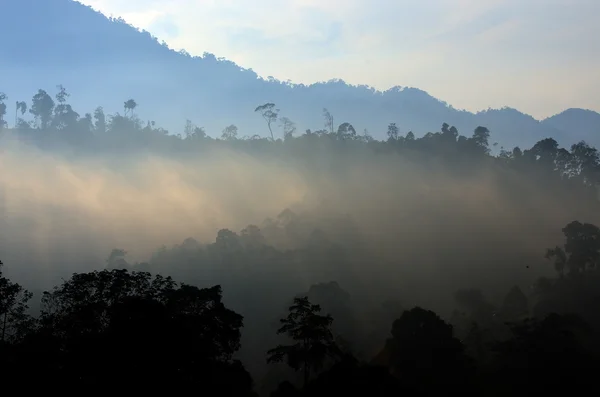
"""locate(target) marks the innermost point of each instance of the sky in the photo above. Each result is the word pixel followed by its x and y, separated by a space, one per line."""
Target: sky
pixel 539 56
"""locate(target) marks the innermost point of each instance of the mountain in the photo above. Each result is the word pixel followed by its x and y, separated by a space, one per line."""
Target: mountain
pixel 104 61
pixel 585 124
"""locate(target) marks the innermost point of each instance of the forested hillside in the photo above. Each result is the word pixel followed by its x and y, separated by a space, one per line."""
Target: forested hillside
pixel 104 61
pixel 407 265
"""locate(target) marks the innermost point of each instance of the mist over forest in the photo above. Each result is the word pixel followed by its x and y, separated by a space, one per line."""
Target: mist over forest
pixel 366 227
pixel 447 256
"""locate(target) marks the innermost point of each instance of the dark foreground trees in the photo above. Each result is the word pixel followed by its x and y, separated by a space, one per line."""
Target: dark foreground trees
pixel 311 332
pixel 425 356
pixel 14 319
pixel 117 330
pixel 113 329
pixel 546 356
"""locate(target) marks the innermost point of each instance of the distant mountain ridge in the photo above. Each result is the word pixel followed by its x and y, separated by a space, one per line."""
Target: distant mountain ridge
pixel 104 61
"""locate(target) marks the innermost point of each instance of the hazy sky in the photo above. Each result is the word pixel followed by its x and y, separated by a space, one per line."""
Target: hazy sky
pixel 540 56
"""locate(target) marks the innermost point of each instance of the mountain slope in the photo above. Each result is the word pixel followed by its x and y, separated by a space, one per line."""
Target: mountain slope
pixel 103 62
pixel 585 124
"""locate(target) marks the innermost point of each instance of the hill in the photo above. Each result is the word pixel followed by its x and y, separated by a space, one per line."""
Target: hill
pixel 104 61
pixel 583 123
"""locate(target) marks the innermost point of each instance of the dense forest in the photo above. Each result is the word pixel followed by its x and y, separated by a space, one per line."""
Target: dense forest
pixel 409 266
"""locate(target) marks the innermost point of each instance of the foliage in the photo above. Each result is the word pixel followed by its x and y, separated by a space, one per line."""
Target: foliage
pixel 121 324
pixel 581 251
pixel 313 337
pixel 269 113
pixel 168 331
pixel 424 353
pixel 14 319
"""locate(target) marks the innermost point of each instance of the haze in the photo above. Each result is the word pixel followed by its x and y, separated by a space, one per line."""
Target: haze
pixel 65 213
pixel 119 153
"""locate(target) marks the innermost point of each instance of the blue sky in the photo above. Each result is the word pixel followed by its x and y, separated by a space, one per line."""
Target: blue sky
pixel 540 56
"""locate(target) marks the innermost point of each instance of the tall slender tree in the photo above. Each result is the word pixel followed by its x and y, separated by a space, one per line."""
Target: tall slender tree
pixel 328 120
pixel 13 309
pixel 312 334
pixel 269 113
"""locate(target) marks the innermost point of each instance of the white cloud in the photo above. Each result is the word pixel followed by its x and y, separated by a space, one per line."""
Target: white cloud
pixel 451 48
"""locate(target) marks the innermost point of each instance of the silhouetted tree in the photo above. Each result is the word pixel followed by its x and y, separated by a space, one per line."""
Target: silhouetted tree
pixel 269 113
pixel 312 334
pixel 22 107
pixel 329 126
pixel 64 115
pixel 346 131
pixel 392 132
pixel 289 128
pixel 130 324
pixel 581 250
pixel 584 163
pixel 3 97
pixel 230 133
pixel 192 131
pixel 449 133
pixel 129 106
pixel 100 120
pixel 41 108
pixel 424 353
pixel 480 139
pixel 14 320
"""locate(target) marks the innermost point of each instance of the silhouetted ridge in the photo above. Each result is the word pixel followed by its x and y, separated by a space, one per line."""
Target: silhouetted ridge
pixel 583 124
pixel 101 60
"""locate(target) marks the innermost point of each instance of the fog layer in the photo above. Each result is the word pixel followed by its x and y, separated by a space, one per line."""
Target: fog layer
pixel 426 227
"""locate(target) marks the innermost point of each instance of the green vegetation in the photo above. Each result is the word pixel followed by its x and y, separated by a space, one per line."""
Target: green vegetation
pixel 130 326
